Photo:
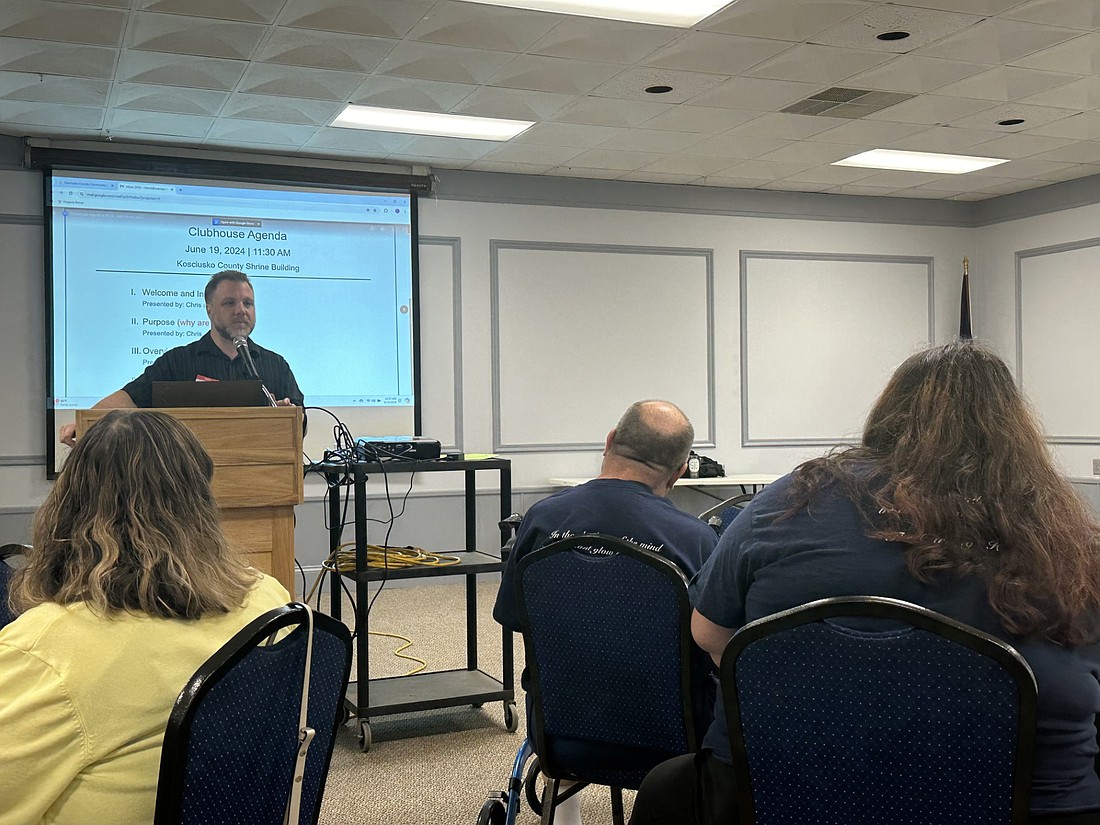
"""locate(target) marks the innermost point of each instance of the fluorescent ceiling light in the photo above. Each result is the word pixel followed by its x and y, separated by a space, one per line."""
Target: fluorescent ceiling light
pixel 682 13
pixel 919 161
pixel 429 123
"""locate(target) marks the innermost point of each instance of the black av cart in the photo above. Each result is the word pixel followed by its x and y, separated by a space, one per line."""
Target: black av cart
pixel 366 697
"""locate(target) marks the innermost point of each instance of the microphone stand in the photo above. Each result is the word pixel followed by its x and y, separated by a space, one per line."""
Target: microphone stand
pixel 241 343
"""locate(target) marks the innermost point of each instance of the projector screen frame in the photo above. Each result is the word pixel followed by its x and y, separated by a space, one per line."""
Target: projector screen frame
pixel 74 161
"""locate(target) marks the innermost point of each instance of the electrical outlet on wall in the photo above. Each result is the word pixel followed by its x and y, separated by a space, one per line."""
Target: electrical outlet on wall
pixel 1096 466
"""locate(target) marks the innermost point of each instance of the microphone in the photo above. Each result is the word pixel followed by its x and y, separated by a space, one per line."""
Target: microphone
pixel 241 343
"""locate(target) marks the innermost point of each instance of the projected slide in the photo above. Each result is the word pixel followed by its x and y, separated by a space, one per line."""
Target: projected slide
pixel 332 273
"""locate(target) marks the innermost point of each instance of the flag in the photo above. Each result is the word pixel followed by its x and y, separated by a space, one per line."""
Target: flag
pixel 965 329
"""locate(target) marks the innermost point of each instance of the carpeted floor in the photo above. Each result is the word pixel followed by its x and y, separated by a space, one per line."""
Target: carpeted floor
pixel 433 767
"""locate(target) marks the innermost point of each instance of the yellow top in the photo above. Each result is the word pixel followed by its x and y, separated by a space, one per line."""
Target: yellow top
pixel 84 701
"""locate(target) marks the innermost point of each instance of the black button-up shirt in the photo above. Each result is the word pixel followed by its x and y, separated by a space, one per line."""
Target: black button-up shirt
pixel 204 358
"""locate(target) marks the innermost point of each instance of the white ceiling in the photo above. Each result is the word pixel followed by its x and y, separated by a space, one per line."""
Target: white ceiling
pixel 269 75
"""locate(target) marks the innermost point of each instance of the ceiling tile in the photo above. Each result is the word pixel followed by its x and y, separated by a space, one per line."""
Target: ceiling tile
pixel 733 146
pixel 41 88
pixel 158 123
pixel 406 93
pixel 1079 56
pixel 1032 116
pixel 689 164
pixel 605 159
pixel 861 190
pixel 532 153
pixel 275 134
pixel 1018 146
pixel 832 175
pixel 246 11
pixel 756 93
pixel 786 126
pixel 179 70
pixel 817 64
pixel 658 177
pixel 1082 152
pixel 609 112
pixel 998 41
pixel 372 144
pixel 809 153
pixel 792 186
pixel 1005 83
pixel 1082 94
pixel 65 22
pixel 553 74
pixel 729 183
pixel 702 119
pixel 429 61
pixel 567 134
pixel 378 18
pixel 43 57
pixel 791 20
pixel 514 104
pixel 22 112
pixel 1048 170
pixel 913 74
pixel 652 140
pixel 897 179
pixel 944 139
pixel 181 101
pixel 631 84
pixel 924 26
pixel 983 8
pixel 299 111
pixel 1073 14
pixel 867 132
pixel 717 53
pixel 483 27
pixel 298 81
pixel 324 50
pixel 454 148
pixel 765 169
pixel 603 41
pixel 117 4
pixel 484 165
pixel 581 172
pixel 193 35
pixel 1083 126
pixel 931 109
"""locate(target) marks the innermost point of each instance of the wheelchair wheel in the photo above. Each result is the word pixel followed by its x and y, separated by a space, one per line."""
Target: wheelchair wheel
pixel 532 786
pixel 492 813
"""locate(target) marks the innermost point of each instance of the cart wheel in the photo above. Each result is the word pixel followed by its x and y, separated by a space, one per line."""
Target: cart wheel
pixel 345 715
pixel 511 718
pixel 531 787
pixel 364 735
pixel 492 813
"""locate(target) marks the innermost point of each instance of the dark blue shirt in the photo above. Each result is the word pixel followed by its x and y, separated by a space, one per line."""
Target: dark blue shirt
pixel 762 566
pixel 203 358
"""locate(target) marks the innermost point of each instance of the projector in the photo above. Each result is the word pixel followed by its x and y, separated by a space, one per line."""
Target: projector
pixel 407 447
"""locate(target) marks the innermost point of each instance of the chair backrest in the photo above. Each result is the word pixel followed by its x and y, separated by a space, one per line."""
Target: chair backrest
pixel 7 551
pixel 233 736
pixel 898 715
pixel 606 629
pixel 722 514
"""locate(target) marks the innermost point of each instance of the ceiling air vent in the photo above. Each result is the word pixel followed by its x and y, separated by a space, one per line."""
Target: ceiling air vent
pixel 839 101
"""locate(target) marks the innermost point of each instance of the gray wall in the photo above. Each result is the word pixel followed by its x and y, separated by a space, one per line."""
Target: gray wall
pixel 549 305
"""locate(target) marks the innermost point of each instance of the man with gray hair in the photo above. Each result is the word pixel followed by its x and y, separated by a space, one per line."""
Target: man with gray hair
pixel 643 457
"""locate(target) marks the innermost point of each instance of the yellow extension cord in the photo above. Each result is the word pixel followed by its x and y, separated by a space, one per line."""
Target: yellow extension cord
pixel 390 558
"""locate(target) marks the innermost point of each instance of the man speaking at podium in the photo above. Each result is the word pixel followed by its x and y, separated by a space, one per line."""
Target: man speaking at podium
pixel 220 355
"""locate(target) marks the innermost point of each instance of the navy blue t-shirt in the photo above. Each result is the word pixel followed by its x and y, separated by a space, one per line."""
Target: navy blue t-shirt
pixel 614 507
pixel 762 566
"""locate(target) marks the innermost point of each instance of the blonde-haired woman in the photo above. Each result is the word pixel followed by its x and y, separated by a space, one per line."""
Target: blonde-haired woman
pixel 129 588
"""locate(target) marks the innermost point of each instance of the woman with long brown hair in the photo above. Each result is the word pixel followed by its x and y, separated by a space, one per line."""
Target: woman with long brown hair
pixel 951 501
pixel 129 587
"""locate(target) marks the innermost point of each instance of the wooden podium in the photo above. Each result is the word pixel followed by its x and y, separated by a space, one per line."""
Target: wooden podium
pixel 257 454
